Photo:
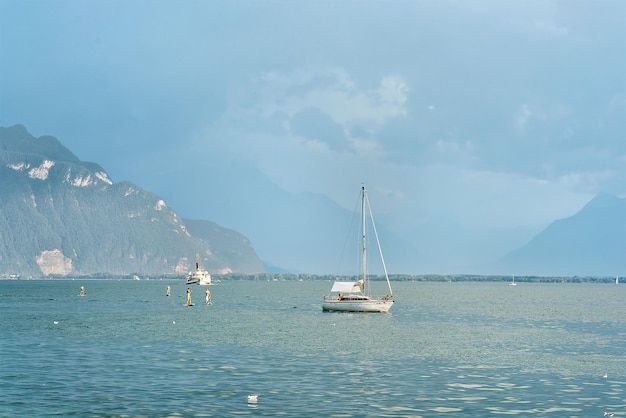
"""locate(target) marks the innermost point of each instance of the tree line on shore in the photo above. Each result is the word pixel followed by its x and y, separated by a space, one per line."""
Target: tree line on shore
pixel 310 277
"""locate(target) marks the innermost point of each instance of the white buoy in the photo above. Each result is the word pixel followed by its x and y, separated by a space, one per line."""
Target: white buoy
pixel 252 398
pixel 56 322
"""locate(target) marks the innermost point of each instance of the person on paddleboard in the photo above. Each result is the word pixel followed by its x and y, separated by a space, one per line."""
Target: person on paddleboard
pixel 207 298
pixel 167 292
pixel 188 296
pixel 82 290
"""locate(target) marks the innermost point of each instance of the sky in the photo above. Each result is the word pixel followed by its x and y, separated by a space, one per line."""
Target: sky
pixel 486 112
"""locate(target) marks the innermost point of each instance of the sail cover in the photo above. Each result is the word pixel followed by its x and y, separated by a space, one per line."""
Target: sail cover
pixel 348 287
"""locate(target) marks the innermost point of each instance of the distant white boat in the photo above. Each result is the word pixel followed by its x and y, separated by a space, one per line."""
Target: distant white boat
pixel 354 296
pixel 513 282
pixel 199 276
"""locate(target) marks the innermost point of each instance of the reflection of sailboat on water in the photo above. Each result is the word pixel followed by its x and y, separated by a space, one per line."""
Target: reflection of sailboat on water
pixel 513 282
pixel 354 296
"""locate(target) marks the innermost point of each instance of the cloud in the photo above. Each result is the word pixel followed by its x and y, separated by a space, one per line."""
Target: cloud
pixel 325 105
pixel 483 197
pixel 393 93
pixel 311 123
pixel 522 117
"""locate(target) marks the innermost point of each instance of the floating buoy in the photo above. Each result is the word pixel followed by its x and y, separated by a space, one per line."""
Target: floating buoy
pixel 252 398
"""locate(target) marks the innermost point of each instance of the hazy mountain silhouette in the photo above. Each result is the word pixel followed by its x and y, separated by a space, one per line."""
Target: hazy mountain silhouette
pixel 591 242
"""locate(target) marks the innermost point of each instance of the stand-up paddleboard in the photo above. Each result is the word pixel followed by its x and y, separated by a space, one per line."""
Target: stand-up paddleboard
pixel 188 305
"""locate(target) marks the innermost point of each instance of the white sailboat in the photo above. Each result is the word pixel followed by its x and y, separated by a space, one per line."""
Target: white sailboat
pixel 355 296
pixel 198 276
pixel 513 282
pixel 616 280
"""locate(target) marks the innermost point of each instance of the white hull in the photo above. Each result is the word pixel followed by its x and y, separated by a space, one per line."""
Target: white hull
pixel 199 277
pixel 191 280
pixel 361 305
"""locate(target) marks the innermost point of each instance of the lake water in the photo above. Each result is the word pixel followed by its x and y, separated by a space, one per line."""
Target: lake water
pixel 453 349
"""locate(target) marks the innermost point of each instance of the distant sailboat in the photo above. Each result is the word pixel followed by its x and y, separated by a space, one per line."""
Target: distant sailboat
pixel 616 280
pixel 513 282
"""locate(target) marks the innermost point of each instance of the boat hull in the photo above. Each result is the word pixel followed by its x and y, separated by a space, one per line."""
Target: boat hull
pixel 371 305
pixel 199 277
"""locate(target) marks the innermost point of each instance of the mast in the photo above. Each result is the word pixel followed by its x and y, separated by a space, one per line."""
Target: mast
pixel 363 242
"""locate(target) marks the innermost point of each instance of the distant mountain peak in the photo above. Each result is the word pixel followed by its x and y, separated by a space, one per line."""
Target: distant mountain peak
pixel 45 158
pixel 17 139
pixel 603 201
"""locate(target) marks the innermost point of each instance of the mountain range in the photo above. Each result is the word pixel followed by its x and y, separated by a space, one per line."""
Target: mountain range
pixel 306 233
pixel 590 243
pixel 63 216
pixel 60 215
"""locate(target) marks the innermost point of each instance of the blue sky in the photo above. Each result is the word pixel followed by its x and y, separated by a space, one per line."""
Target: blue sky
pixel 490 113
